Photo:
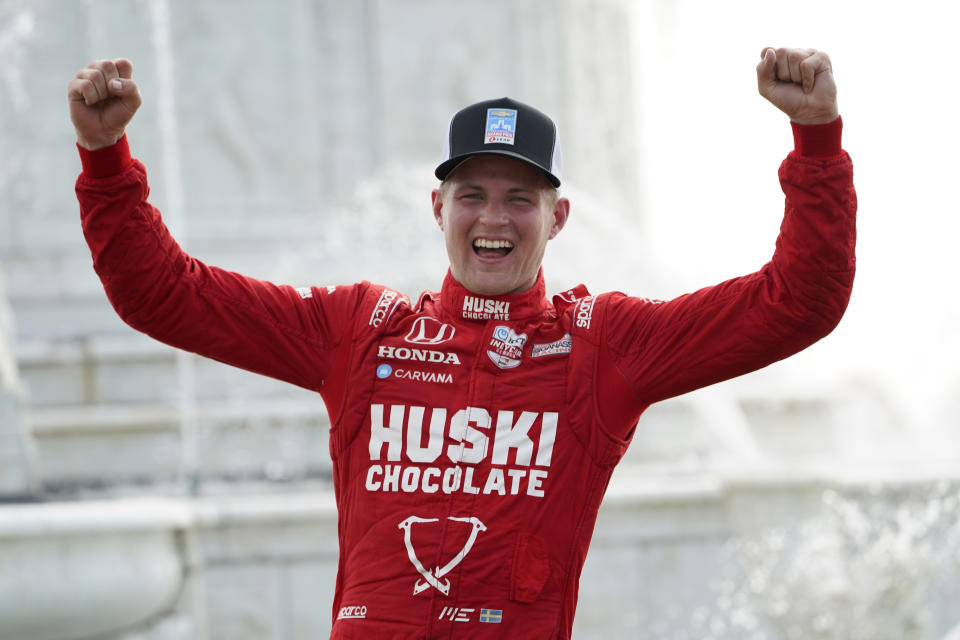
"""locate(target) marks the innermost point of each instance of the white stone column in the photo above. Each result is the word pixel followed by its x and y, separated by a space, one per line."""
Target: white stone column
pixel 15 444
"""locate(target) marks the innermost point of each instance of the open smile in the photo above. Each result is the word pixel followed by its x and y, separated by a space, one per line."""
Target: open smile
pixel 486 248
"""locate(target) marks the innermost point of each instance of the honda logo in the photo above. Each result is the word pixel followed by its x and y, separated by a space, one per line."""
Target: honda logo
pixel 427 330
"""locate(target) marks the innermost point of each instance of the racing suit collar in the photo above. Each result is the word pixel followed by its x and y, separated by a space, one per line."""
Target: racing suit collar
pixel 460 302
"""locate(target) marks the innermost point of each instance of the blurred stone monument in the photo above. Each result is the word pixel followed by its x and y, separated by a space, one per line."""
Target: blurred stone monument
pixel 16 479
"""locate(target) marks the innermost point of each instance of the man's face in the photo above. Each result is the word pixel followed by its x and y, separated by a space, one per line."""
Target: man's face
pixel 497 214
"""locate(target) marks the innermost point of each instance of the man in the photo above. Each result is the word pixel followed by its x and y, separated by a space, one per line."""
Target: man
pixel 473 432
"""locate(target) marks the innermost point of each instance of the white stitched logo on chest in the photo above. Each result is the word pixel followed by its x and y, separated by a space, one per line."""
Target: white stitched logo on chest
pixel 427 330
pixel 435 578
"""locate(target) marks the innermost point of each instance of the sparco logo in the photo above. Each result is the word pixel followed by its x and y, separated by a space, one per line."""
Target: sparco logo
pixel 568 296
pixel 485 309
pixel 352 612
pixel 585 312
pixel 384 306
pixel 417 355
pixel 435 578
pixel 427 330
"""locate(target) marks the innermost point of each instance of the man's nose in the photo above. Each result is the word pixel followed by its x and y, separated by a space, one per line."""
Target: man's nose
pixel 494 214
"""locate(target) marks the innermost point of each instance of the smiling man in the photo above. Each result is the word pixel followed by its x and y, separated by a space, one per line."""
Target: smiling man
pixel 498 203
pixel 497 214
pixel 474 431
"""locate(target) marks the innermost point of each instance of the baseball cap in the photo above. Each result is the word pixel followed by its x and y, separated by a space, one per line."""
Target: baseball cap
pixel 502 127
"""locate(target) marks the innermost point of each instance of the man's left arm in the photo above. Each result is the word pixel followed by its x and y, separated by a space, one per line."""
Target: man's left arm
pixel 665 349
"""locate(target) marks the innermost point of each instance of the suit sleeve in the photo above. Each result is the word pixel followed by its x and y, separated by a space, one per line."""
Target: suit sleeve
pixel 663 349
pixel 155 287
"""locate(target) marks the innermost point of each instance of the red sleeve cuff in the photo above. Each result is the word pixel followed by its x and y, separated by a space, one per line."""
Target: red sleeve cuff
pixel 818 140
pixel 106 161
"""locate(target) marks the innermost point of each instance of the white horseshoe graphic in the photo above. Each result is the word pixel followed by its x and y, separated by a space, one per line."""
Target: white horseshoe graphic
pixel 433 579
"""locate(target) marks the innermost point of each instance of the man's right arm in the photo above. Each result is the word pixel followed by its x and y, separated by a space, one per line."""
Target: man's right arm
pixel 157 288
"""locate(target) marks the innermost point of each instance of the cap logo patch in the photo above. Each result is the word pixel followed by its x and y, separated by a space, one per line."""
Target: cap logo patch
pixel 501 126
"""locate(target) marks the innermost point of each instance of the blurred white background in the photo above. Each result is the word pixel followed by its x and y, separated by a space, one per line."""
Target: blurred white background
pixel 295 140
pixel 709 144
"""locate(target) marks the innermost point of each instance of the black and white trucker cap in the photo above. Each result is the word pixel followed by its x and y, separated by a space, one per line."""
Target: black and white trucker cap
pixel 502 127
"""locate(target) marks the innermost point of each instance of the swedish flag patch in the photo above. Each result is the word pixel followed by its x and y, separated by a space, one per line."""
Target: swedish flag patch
pixel 491 615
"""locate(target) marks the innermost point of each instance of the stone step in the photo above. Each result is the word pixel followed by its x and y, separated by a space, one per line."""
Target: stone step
pixel 131 367
pixel 151 444
pixel 65 318
pixel 69 273
pixel 57 296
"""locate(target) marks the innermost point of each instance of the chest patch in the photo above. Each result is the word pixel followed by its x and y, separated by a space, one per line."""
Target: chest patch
pixel 562 346
pixel 506 347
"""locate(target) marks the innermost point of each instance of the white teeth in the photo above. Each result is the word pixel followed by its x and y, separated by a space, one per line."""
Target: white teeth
pixel 483 243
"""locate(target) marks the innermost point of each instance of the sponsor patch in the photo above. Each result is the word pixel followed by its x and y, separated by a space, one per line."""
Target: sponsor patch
pixel 386 305
pixel 543 349
pixel 417 355
pixel 421 376
pixel 491 615
pixel 397 478
pixel 506 347
pixel 475 308
pixel 384 371
pixel 305 292
pixel 352 612
pixel 584 312
pixel 456 614
pixel 501 126
pixel 427 330
pixel 568 296
pixel 435 578
pixel 517 444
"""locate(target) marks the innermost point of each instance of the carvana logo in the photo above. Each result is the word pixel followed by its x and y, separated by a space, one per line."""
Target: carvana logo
pixel 384 371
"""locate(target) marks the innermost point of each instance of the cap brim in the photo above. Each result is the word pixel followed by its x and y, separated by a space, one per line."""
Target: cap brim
pixel 445 168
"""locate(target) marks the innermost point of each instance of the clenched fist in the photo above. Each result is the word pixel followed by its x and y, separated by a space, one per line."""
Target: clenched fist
pixel 800 83
pixel 103 98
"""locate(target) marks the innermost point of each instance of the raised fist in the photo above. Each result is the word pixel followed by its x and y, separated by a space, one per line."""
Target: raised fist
pixel 800 83
pixel 103 98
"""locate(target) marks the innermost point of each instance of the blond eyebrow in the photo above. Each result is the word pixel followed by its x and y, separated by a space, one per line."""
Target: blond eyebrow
pixel 510 190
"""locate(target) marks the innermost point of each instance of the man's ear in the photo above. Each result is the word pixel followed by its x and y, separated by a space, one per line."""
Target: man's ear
pixel 561 212
pixel 436 199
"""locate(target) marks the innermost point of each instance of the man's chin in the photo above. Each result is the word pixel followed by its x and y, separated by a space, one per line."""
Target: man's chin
pixel 484 289
pixel 491 285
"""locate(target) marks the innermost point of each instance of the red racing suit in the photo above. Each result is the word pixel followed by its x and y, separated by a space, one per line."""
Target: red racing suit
pixel 473 437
